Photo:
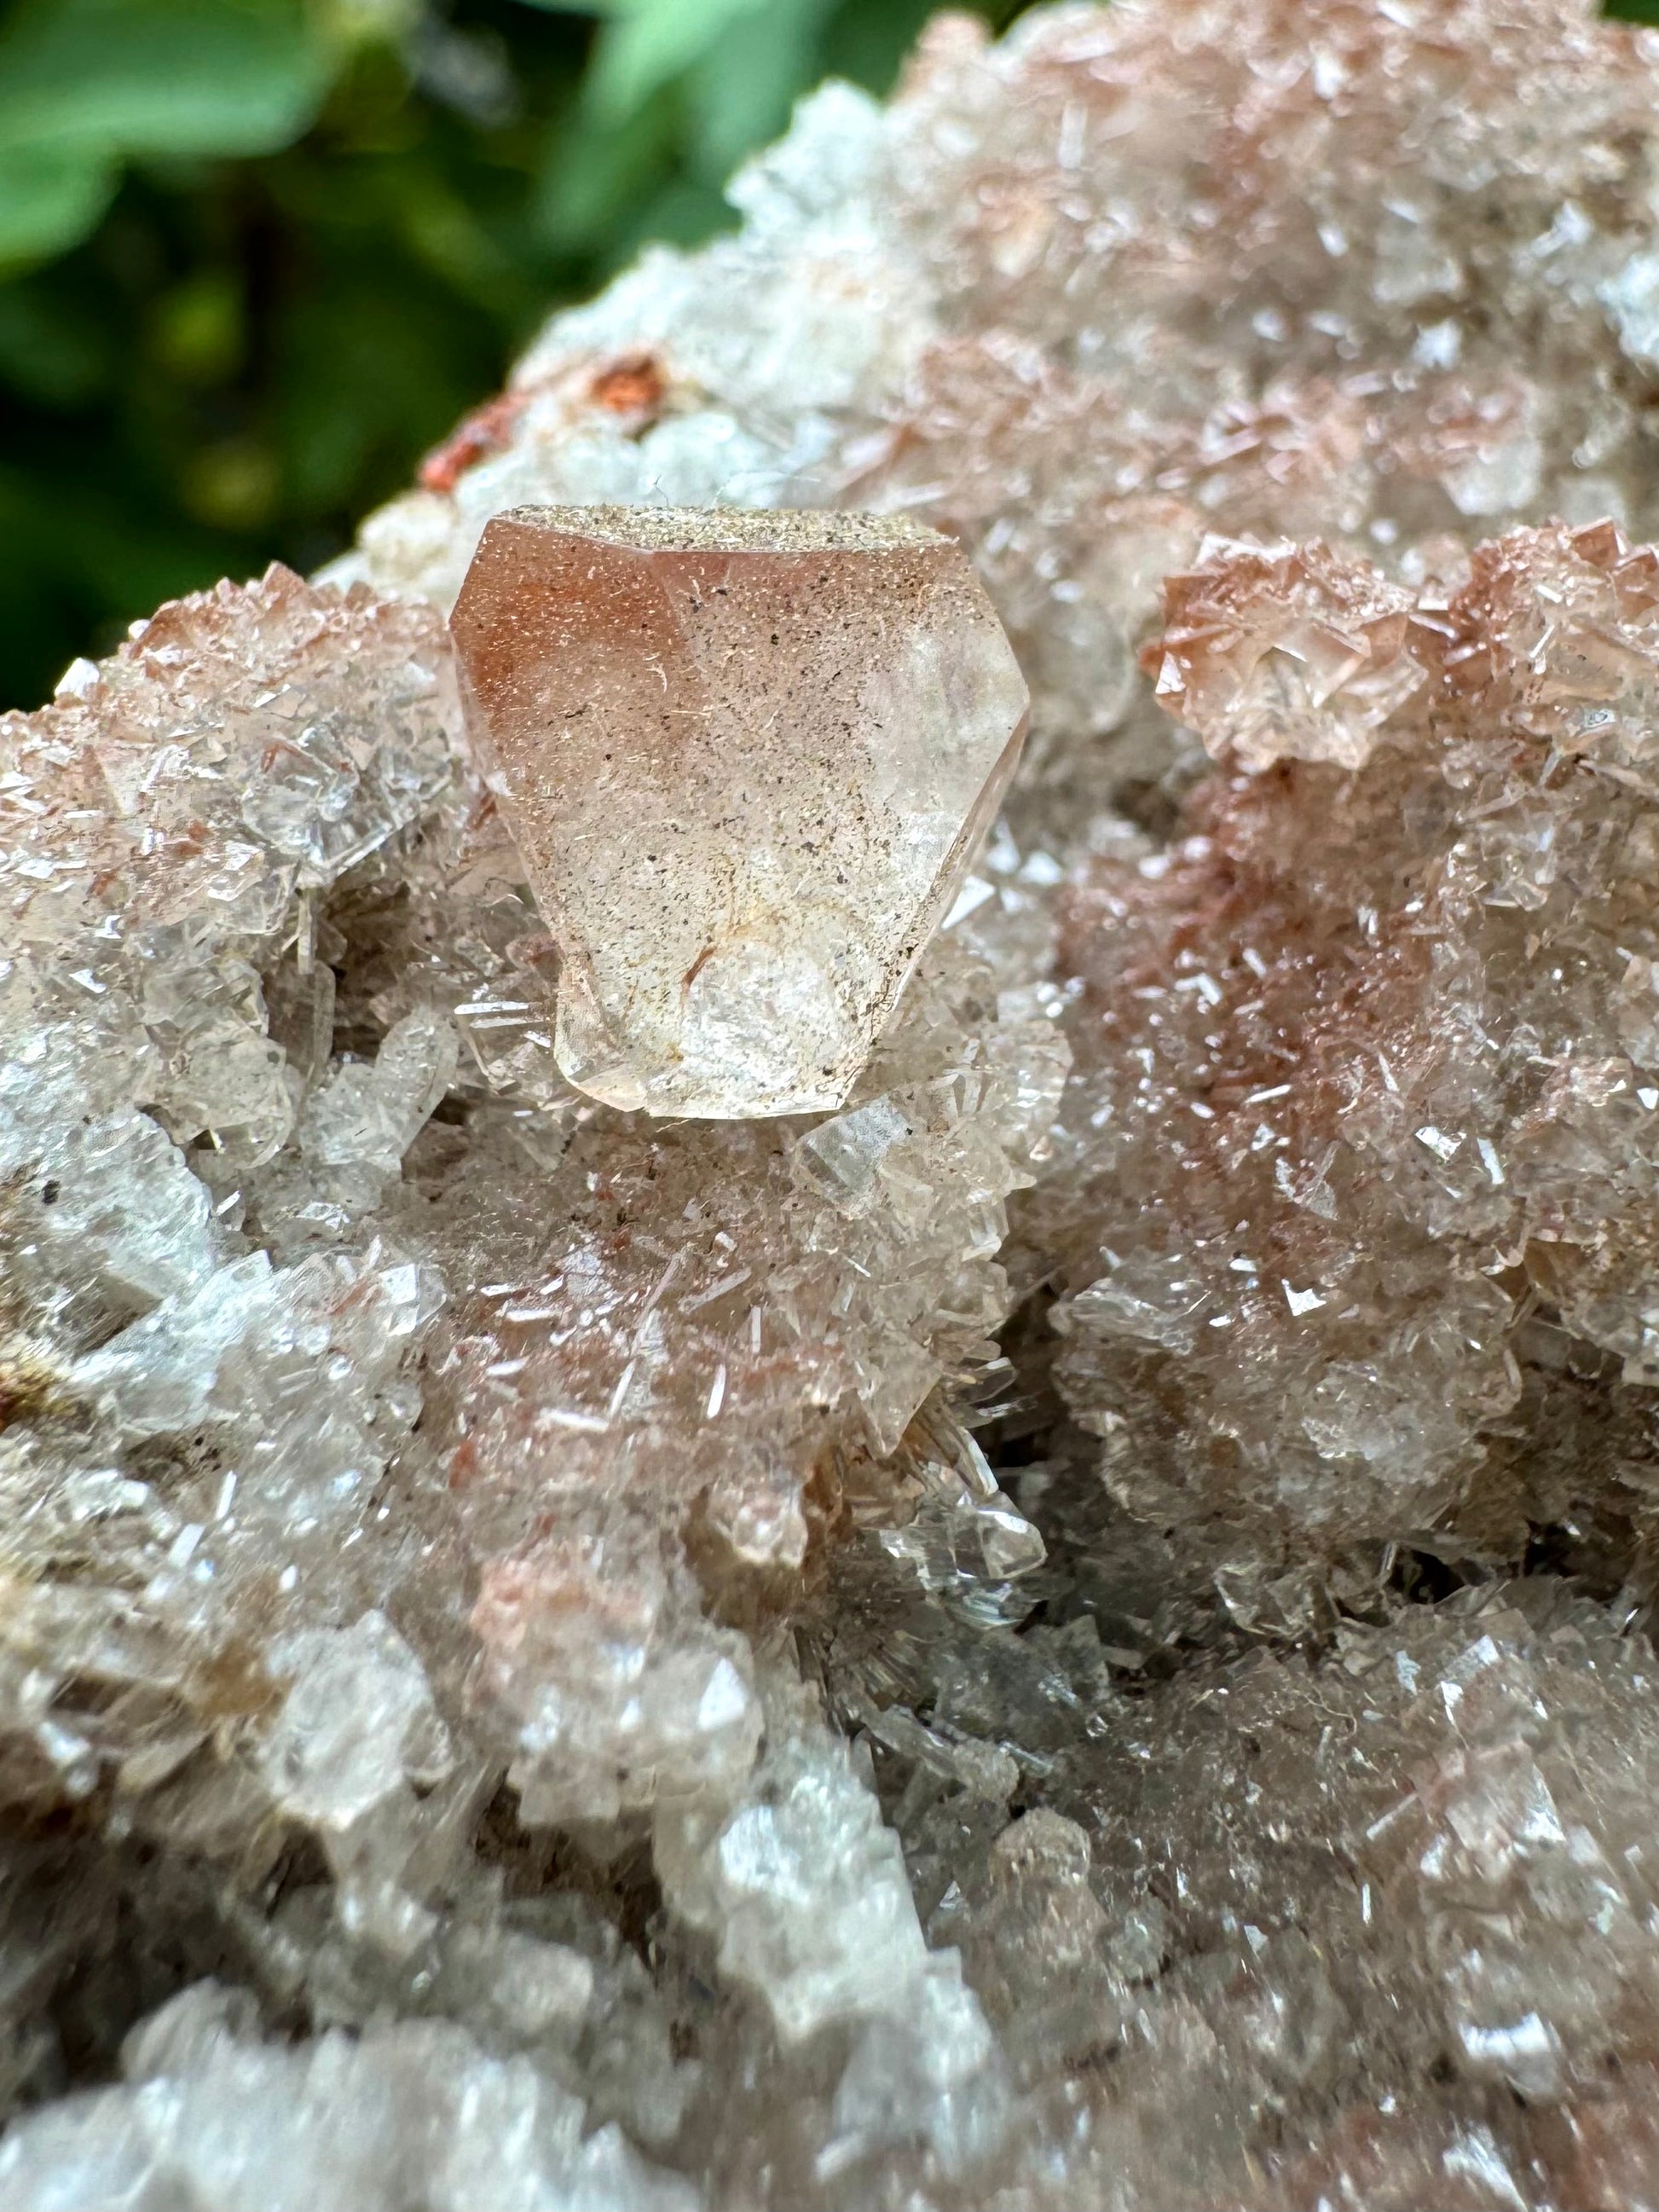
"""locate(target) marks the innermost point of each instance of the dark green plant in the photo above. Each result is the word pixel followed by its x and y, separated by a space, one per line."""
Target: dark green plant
pixel 257 255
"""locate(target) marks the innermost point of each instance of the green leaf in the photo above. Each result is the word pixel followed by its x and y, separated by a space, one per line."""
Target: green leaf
pixel 646 43
pixel 120 77
pixel 52 353
pixel 868 39
pixel 596 173
pixel 684 213
pixel 744 87
pixel 51 198
pixel 197 329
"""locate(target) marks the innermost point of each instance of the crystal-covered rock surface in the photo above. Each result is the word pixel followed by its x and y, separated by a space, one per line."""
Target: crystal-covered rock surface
pixel 747 759
pixel 1072 1626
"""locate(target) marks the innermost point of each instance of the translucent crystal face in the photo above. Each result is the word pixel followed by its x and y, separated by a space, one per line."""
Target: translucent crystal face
pixel 746 759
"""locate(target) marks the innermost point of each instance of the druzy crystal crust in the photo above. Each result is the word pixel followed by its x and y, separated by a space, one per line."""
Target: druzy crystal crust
pixel 1070 1623
pixel 748 759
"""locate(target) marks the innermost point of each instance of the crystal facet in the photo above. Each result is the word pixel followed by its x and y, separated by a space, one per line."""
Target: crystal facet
pixel 747 759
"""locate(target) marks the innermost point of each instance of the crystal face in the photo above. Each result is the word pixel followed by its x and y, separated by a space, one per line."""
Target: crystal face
pixel 1078 1629
pixel 747 760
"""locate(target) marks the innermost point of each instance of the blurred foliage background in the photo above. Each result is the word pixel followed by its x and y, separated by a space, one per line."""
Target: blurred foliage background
pixel 256 256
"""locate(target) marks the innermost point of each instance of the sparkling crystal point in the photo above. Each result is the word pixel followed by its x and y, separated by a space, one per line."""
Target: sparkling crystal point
pixel 746 758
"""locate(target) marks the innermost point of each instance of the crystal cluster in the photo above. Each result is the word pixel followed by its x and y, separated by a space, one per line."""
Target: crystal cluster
pixel 1364 1107
pixel 1066 1620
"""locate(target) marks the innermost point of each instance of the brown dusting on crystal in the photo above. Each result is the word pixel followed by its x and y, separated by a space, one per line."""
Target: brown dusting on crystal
pixel 747 759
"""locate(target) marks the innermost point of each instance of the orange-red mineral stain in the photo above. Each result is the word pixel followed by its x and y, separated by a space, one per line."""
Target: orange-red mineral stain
pixel 474 439
pixel 634 386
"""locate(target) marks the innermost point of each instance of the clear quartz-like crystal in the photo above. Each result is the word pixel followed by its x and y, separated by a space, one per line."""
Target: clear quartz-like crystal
pixel 747 760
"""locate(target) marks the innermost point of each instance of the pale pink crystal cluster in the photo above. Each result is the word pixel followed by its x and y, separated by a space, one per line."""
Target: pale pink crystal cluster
pixel 1364 1111
pixel 1069 1623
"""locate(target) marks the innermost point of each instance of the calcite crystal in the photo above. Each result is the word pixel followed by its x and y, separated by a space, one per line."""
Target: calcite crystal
pixel 1368 1060
pixel 1070 1623
pixel 747 759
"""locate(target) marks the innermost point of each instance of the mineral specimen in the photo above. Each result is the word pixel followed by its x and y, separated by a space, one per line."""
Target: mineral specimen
pixel 1074 1624
pixel 747 759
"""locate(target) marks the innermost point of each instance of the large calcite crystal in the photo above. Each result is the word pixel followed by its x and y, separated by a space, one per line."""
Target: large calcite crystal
pixel 1074 1626
pixel 747 759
